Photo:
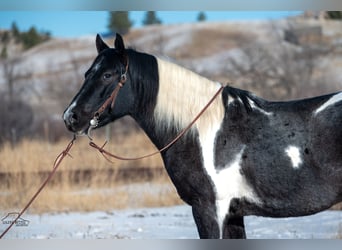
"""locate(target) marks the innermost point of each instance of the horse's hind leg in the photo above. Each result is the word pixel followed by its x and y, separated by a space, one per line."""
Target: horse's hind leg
pixel 206 222
pixel 234 228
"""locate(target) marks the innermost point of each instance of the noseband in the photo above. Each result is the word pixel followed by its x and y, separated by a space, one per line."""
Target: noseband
pixel 110 101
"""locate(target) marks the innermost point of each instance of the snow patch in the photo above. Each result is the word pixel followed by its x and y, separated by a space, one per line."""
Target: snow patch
pixel 166 223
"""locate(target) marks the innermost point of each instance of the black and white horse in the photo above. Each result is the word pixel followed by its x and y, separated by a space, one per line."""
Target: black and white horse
pixel 244 156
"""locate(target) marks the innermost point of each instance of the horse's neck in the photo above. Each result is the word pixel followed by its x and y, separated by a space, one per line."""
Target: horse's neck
pixel 181 96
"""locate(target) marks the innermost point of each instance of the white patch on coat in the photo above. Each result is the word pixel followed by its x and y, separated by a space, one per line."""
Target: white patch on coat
pixel 231 100
pixel 294 153
pixel 254 106
pixel 97 65
pixel 182 95
pixel 334 99
pixel 228 182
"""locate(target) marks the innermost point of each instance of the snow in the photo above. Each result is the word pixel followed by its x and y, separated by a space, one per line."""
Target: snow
pixel 166 223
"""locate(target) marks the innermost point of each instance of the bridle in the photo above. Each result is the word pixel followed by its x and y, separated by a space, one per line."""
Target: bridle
pixel 110 101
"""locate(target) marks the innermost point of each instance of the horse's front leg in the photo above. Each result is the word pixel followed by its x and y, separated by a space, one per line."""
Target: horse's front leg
pixel 206 221
pixel 234 228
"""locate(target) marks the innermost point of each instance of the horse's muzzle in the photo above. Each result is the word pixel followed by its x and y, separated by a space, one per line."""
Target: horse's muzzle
pixel 74 123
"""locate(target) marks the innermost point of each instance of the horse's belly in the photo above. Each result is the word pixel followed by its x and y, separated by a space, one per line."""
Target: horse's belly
pixel 308 200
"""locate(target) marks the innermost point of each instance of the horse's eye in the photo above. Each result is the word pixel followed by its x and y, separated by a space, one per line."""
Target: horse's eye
pixel 107 76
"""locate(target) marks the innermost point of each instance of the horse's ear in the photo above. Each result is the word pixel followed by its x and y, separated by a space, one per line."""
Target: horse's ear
pixel 119 43
pixel 120 46
pixel 100 44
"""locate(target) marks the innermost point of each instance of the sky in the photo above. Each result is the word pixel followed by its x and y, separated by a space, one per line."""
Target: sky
pixel 68 24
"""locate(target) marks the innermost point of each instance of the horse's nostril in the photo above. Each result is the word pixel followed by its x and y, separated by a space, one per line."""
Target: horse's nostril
pixel 73 118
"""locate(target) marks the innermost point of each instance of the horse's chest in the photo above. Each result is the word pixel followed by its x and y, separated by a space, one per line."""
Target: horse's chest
pixel 227 180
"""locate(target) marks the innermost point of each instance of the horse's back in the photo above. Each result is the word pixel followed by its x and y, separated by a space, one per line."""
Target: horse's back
pixel 292 154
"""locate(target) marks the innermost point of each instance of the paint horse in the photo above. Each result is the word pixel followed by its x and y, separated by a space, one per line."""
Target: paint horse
pixel 244 156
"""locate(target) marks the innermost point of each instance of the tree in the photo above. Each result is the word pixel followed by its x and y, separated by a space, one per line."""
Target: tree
pixel 15 32
pixel 151 18
pixel 10 74
pixel 5 37
pixel 32 37
pixel 17 114
pixel 201 17
pixel 17 119
pixel 3 54
pixel 119 22
pixel 334 15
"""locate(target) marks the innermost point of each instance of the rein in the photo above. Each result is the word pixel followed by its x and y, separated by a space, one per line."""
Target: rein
pixel 56 164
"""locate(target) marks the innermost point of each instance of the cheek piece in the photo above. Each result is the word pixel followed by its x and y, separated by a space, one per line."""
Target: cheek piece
pixel 94 122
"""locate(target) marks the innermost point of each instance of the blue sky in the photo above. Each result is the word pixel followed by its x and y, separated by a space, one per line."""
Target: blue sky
pixel 78 23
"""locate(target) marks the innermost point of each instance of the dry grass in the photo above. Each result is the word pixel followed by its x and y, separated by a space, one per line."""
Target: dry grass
pixel 337 206
pixel 37 155
pixel 84 182
pixel 220 40
pixel 338 235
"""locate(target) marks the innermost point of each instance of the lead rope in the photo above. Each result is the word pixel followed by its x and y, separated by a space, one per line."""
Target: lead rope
pixel 56 164
pixel 107 154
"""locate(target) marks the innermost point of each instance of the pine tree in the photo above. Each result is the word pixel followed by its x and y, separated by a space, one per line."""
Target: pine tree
pixel 5 37
pixel 4 54
pixel 15 32
pixel 151 18
pixel 119 22
pixel 337 15
pixel 31 38
pixel 201 17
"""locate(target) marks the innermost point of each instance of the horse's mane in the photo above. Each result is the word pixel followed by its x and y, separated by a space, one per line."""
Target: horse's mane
pixel 182 95
pixel 244 96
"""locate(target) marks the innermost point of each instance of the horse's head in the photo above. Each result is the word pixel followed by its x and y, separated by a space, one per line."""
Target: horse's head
pixel 100 81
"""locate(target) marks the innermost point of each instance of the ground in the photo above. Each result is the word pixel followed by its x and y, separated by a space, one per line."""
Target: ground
pixel 166 223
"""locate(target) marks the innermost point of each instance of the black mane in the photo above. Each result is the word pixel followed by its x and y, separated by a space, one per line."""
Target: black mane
pixel 242 95
pixel 142 71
